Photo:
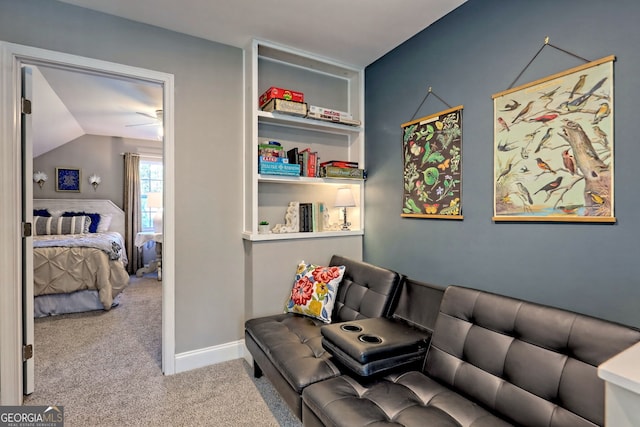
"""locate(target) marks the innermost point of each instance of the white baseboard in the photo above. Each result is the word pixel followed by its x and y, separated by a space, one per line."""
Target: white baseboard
pixel 247 356
pixel 209 356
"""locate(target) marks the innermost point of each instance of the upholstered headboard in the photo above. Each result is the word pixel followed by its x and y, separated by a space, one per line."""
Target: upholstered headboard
pixel 102 207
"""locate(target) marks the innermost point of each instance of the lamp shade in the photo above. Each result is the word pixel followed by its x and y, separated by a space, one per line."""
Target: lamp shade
pixel 154 200
pixel 344 198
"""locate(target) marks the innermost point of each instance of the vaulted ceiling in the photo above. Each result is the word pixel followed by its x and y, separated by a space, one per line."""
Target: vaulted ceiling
pixel 68 104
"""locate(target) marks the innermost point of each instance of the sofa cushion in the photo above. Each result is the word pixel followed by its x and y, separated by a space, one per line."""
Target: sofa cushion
pixel 293 344
pixel 366 290
pixel 424 313
pixel 314 290
pixel 533 364
pixel 405 399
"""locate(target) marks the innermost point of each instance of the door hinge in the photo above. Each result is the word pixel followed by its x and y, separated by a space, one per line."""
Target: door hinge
pixel 26 229
pixel 26 106
pixel 27 352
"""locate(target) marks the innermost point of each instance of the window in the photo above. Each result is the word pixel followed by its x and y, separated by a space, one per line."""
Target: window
pixel 150 182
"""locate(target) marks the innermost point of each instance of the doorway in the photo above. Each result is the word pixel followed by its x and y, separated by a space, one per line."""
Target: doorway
pixel 12 58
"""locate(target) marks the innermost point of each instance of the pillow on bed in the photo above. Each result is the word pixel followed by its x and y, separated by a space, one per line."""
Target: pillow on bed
pixel 95 219
pixel 314 290
pixel 41 212
pixel 60 225
pixel 105 223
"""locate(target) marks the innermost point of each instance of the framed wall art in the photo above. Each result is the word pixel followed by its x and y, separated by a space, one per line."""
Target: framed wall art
pixel 68 179
pixel 432 156
pixel 553 147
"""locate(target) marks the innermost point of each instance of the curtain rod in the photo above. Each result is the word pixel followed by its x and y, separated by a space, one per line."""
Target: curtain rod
pixel 149 156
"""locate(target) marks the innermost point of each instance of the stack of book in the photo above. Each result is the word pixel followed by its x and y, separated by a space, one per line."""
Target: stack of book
pixel 307 159
pixel 272 160
pixel 311 216
pixel 268 167
pixel 341 169
pixel 330 115
pixel 285 101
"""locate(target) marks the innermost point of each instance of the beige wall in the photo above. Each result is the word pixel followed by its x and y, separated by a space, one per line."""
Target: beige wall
pixel 209 285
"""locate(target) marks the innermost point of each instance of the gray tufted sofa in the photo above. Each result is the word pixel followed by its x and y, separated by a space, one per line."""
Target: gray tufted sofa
pixel 493 361
pixel 287 348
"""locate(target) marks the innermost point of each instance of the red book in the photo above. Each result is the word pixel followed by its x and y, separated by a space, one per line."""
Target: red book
pixel 304 161
pixel 311 164
pixel 340 164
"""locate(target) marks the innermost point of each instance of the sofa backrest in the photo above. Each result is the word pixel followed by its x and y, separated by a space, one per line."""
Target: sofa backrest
pixel 532 364
pixel 366 290
pixel 418 304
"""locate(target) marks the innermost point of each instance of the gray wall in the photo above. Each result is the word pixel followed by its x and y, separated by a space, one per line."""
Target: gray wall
pixel 208 143
pixel 97 154
pixel 467 56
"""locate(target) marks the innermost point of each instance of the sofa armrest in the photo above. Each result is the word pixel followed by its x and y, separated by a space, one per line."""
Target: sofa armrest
pixel 375 345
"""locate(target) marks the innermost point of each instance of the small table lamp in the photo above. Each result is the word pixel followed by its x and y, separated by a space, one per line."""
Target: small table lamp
pixel 154 200
pixel 344 199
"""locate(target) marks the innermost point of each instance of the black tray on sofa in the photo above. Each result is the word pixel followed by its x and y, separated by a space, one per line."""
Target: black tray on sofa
pixel 376 345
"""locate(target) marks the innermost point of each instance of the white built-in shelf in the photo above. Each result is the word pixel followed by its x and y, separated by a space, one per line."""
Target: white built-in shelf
pixel 307 180
pixel 307 124
pixel 326 83
pixel 622 388
pixel 306 235
pixel 622 369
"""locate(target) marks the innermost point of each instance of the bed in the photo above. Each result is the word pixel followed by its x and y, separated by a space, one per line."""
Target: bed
pixel 79 256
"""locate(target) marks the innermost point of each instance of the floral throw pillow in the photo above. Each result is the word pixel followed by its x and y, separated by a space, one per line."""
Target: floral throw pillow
pixel 314 290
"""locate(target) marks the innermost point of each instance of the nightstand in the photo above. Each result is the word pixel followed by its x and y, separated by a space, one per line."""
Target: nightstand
pixel 155 265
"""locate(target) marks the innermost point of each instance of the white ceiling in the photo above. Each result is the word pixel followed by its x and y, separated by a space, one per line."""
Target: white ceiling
pixel 68 104
pixel 355 32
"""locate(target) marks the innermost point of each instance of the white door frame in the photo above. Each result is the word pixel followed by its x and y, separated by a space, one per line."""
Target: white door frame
pixel 12 56
pixel 26 136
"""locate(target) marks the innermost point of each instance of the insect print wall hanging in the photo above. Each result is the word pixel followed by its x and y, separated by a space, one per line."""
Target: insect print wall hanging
pixel 553 147
pixel 432 154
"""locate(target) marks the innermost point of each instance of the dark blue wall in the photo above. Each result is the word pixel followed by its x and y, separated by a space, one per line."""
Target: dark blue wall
pixel 470 54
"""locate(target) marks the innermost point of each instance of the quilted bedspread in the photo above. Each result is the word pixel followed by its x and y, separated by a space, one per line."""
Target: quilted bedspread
pixel 59 269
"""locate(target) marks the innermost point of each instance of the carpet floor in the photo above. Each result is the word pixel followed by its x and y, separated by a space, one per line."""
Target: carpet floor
pixel 104 368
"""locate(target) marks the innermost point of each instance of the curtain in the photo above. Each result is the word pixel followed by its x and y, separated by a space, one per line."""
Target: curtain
pixel 132 210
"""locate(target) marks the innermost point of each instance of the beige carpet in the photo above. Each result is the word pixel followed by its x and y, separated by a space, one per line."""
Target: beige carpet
pixel 104 368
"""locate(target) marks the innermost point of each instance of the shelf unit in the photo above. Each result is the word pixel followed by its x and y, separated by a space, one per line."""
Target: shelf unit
pixel 325 83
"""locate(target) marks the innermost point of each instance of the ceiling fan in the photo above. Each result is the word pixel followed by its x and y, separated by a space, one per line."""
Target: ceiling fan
pixel 157 119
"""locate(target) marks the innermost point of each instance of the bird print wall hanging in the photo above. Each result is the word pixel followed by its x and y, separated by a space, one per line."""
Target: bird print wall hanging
pixel 432 155
pixel 553 147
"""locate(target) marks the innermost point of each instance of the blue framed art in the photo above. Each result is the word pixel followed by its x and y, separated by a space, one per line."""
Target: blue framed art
pixel 68 179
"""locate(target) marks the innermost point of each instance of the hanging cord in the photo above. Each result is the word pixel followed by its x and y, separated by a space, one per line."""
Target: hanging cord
pixel 425 98
pixel 546 43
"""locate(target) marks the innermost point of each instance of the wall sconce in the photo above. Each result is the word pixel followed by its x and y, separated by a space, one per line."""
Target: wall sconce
pixel 95 180
pixel 344 199
pixel 40 178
